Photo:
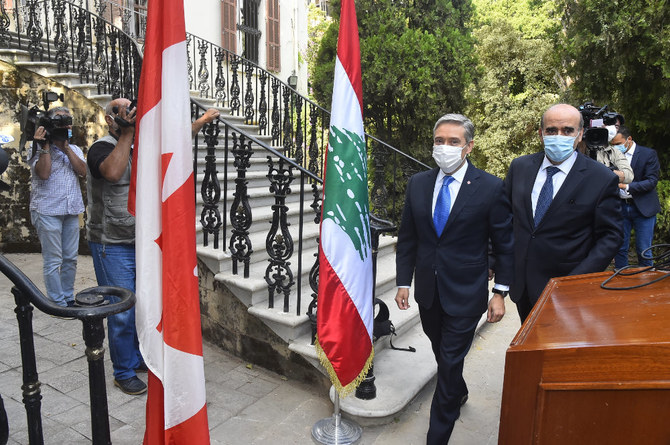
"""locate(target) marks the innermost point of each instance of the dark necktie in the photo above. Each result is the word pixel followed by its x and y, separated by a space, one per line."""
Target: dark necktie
pixel 546 195
pixel 441 214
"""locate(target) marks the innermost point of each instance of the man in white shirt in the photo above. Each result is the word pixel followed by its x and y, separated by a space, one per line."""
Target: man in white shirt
pixel 56 202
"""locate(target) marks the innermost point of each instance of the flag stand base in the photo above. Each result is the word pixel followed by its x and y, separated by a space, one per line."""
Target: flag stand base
pixel 335 430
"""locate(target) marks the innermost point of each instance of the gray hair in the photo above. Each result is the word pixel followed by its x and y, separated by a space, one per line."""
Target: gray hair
pixel 458 119
pixel 56 110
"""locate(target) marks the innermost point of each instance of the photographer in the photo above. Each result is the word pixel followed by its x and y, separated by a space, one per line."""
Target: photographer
pixel 110 231
pixel 600 126
pixel 611 158
pixel 56 202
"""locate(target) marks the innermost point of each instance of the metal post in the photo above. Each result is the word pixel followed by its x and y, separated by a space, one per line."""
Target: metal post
pixel 4 425
pixel 336 430
pixel 31 386
pixel 367 389
pixel 94 335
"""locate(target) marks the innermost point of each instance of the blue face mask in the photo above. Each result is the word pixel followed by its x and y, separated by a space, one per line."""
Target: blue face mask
pixel 621 147
pixel 558 148
pixel 69 133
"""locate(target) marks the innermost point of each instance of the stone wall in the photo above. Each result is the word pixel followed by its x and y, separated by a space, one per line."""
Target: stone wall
pixel 18 87
pixel 226 323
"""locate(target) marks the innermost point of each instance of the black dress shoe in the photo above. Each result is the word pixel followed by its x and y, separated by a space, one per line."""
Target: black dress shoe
pixel 132 386
pixel 464 399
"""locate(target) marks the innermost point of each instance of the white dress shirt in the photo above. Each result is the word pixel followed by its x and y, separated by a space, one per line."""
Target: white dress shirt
pixel 454 187
pixel 623 193
pixel 557 180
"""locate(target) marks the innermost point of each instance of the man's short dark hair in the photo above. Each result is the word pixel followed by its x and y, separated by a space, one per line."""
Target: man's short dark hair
pixel 624 131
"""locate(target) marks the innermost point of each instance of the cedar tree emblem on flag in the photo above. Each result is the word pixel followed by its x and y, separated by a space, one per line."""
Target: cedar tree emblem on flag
pixel 168 307
pixel 345 311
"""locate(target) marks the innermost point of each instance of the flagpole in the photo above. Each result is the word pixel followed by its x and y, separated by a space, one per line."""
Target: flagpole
pixel 336 430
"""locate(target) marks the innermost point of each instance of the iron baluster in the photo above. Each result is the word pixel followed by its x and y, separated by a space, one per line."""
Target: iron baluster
pixel 314 271
pixel 32 394
pixel 210 189
pixel 275 131
pixel 114 73
pixel 34 31
pixel 287 141
pixel 263 105
pixel 240 210
pixel 220 81
pixel 313 150
pixel 5 36
pixel 234 87
pixel 82 47
pixel 100 59
pixel 60 37
pixel 298 131
pixel 203 72
pixel 279 242
pixel 249 96
pixel 189 63
pixel 126 46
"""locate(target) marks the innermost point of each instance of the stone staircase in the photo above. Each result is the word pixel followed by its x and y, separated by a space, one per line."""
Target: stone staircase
pixel 399 375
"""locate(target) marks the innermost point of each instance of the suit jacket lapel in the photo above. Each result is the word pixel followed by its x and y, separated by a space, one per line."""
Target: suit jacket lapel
pixel 571 183
pixel 468 188
pixel 528 182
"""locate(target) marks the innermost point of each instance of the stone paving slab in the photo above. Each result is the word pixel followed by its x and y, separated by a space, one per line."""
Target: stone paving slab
pixel 246 404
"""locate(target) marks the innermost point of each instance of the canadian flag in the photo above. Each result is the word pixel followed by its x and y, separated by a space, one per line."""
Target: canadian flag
pixel 168 309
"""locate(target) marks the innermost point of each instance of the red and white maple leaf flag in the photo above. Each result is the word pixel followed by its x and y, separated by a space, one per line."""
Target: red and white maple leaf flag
pixel 168 308
pixel 345 311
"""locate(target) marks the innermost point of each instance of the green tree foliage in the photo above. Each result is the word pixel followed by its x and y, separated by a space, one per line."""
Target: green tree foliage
pixel 618 53
pixel 518 78
pixel 416 57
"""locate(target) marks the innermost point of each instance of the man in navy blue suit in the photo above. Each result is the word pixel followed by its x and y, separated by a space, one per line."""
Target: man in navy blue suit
pixel 567 217
pixel 450 214
pixel 640 202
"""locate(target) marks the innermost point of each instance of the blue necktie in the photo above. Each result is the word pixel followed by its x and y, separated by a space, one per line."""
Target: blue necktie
pixel 546 195
pixel 441 214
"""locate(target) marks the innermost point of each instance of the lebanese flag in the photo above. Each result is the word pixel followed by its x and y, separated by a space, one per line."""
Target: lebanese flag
pixel 345 310
pixel 168 308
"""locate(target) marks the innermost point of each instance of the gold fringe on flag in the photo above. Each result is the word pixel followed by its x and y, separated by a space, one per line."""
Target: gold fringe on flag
pixel 343 391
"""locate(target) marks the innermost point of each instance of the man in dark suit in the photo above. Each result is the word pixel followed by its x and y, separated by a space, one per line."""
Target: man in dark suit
pixel 567 218
pixel 450 214
pixel 640 202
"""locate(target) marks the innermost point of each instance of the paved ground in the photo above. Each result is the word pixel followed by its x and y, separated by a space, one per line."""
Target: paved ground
pixel 246 404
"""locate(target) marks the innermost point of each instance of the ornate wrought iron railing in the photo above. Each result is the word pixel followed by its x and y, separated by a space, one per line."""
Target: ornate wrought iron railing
pixel 76 40
pixel 91 307
pixel 291 131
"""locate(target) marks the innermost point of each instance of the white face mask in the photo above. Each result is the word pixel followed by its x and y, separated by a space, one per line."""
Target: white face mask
pixel 448 157
pixel 611 132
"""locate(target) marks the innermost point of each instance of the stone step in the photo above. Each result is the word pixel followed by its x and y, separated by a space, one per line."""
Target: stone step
pixel 254 290
pixel 262 217
pixel 14 55
pixel 285 324
pixel 42 68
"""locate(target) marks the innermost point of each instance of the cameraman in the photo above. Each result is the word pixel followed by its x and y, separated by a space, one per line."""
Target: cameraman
pixel 616 161
pixel 56 202
pixel 110 231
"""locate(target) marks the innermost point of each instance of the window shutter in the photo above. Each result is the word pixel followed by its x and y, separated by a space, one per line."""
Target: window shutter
pixel 229 25
pixel 273 53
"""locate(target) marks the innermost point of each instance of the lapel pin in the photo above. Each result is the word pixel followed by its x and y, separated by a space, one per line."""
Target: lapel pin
pixel 468 182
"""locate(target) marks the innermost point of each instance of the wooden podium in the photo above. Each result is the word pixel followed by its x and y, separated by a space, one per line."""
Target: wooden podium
pixel 591 366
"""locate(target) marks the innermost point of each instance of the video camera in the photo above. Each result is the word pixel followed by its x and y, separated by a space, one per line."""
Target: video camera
pixel 595 134
pixel 120 121
pixel 33 118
